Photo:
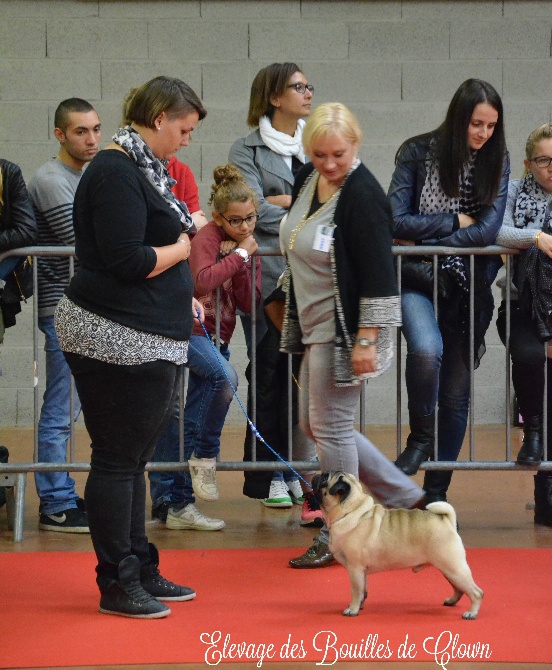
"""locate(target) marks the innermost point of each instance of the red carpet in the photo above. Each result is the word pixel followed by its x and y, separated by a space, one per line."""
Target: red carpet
pixel 250 597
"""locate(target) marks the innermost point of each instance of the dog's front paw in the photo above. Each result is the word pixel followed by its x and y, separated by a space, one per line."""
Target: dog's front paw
pixel 469 615
pixel 350 612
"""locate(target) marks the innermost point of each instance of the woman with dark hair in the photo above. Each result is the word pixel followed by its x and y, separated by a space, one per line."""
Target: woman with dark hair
pixel 269 158
pixel 527 226
pixel 449 188
pixel 124 327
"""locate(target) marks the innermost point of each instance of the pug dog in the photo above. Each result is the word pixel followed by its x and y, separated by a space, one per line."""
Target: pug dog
pixel 366 537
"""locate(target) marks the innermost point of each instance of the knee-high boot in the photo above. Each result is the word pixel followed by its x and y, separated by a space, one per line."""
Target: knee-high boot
pixel 419 444
pixel 436 483
pixel 543 498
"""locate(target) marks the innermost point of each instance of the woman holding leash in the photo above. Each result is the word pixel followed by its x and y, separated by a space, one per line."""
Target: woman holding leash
pixel 448 188
pixel 527 225
pixel 342 306
pixel 124 327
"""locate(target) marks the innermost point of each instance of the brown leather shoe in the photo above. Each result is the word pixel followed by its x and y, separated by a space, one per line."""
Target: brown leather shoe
pixel 316 556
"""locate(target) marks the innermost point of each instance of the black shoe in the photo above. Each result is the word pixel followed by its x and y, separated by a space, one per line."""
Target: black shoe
pixel 316 556
pixel 159 587
pixel 531 449
pixel 4 455
pixel 160 512
pixel 71 520
pixel 127 597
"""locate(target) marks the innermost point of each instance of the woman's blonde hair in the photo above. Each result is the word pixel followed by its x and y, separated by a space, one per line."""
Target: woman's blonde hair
pixel 229 187
pixel 143 104
pixel 331 118
pixel 543 132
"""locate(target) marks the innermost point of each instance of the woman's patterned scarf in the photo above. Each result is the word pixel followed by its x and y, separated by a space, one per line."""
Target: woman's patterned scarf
pixel 456 313
pixel 154 170
pixel 531 204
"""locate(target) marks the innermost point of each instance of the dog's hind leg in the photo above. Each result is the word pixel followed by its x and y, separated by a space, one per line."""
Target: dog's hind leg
pixel 462 582
pixel 359 590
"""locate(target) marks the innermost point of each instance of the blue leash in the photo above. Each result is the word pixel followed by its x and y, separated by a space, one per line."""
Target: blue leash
pixel 251 424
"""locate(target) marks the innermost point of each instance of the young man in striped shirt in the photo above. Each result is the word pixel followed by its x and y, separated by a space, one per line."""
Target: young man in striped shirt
pixel 52 190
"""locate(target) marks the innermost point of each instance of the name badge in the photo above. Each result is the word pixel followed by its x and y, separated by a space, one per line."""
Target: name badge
pixel 323 238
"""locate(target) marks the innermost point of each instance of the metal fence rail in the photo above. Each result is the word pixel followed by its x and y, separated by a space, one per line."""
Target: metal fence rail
pixel 13 475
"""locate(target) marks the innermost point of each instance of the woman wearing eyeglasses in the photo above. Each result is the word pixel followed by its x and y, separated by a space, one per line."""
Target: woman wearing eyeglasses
pixel 269 158
pixel 527 225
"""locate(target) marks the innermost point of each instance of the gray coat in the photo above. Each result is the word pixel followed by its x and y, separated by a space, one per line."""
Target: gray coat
pixel 268 174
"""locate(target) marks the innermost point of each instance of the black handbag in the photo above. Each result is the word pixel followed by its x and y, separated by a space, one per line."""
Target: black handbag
pixel 19 283
pixel 417 274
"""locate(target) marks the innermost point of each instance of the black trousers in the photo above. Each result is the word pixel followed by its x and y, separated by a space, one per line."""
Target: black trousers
pixel 125 408
pixel 528 359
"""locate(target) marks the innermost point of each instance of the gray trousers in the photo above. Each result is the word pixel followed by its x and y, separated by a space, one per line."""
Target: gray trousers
pixel 327 416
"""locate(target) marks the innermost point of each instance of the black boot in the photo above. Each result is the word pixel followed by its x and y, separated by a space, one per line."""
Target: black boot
pixel 436 484
pixel 126 597
pixel 159 587
pixel 4 453
pixel 531 449
pixel 419 444
pixel 543 498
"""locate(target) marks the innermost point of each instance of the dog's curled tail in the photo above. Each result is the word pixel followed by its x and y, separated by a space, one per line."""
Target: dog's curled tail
pixel 443 509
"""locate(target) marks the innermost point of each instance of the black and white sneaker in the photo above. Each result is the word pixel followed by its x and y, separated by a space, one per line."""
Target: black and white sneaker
pixel 71 520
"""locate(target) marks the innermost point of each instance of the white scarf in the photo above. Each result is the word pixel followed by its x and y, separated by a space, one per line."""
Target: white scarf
pixel 283 144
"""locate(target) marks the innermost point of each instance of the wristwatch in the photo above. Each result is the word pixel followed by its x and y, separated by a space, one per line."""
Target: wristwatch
pixel 241 252
pixel 365 342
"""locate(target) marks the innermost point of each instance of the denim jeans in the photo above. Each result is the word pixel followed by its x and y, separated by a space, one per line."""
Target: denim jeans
pixel 435 372
pixel 56 490
pixel 126 408
pixel 207 401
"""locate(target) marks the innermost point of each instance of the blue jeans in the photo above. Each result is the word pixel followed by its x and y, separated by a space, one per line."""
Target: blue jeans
pixel 56 490
pixel 435 372
pixel 207 401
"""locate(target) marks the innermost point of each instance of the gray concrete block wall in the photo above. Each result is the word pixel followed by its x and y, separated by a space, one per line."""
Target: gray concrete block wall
pixel 395 63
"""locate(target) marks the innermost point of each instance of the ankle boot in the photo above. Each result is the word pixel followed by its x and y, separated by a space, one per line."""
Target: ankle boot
pixel 531 449
pixel 126 597
pixel 159 587
pixel 419 444
pixel 436 484
pixel 543 498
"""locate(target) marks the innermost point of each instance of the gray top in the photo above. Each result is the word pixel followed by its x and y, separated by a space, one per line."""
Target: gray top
pixel 516 238
pixel 52 189
pixel 311 268
pixel 509 235
pixel 268 174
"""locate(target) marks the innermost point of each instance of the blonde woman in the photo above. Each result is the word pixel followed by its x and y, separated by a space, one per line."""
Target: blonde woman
pixel 527 226
pixel 341 285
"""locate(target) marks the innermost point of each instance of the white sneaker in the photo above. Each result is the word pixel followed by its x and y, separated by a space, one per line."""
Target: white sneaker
pixel 203 472
pixel 278 495
pixel 190 518
pixel 295 491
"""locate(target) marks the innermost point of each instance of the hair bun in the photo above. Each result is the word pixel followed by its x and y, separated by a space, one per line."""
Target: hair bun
pixel 224 174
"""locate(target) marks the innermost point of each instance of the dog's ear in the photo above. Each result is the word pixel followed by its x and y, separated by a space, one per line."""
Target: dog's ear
pixel 340 488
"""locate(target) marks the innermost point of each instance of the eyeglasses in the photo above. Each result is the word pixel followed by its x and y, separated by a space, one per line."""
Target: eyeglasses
pixel 301 88
pixel 237 221
pixel 542 161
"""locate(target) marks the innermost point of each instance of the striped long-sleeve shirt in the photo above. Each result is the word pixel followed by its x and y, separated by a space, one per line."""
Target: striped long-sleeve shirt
pixel 52 189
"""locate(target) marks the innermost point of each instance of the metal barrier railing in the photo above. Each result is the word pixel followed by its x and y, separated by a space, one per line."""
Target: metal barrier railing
pixel 13 474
